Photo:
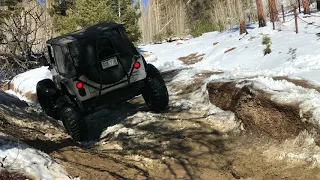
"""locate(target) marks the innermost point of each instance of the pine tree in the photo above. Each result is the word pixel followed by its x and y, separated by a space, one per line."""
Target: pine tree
pixel 72 15
pixel 9 8
pixel 129 15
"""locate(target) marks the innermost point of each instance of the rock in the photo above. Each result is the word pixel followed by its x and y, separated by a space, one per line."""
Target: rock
pixel 231 49
pixel 192 58
pixel 180 42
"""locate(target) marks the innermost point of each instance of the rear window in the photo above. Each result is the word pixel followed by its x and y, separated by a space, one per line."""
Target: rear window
pixel 65 67
pixel 105 48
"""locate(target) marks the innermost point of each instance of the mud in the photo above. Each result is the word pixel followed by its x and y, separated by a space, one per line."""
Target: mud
pixel 192 58
pixel 5 175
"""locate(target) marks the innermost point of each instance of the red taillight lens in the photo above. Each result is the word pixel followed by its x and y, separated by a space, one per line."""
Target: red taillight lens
pixel 80 85
pixel 137 65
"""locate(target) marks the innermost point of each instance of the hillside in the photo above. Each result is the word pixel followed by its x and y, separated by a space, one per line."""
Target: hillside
pixel 234 113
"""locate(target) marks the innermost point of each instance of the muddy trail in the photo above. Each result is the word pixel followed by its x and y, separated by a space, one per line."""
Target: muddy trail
pixel 191 140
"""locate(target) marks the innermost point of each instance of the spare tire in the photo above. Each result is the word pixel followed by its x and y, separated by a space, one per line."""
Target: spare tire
pixel 97 52
pixel 110 75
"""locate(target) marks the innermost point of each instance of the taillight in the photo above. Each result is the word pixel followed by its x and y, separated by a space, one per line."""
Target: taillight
pixel 80 85
pixel 137 65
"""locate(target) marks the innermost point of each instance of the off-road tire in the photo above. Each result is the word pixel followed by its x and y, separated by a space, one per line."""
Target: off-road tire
pixel 72 119
pixel 155 92
pixel 47 95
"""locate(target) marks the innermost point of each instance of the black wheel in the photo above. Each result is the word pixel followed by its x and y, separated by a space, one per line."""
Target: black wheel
pixel 155 92
pixel 72 119
pixel 47 96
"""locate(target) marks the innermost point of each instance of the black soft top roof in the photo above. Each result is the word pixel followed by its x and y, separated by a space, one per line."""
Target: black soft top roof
pixel 94 30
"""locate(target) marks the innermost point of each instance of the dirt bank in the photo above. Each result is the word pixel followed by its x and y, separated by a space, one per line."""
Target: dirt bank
pixel 256 110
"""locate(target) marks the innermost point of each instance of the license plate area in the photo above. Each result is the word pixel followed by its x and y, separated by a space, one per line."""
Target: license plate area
pixel 110 62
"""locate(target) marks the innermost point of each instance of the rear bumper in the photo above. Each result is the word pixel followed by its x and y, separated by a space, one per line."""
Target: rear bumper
pixel 113 97
pixel 93 89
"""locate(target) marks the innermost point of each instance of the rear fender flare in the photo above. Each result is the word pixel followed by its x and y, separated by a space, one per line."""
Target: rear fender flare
pixel 66 90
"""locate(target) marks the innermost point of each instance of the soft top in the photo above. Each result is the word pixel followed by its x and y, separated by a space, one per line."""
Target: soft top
pixel 94 30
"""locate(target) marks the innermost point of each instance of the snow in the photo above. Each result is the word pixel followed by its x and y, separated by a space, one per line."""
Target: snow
pixel 248 58
pixel 19 157
pixel 18 95
pixel 25 83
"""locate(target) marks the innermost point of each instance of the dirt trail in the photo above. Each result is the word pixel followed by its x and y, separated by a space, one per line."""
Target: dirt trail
pixel 189 141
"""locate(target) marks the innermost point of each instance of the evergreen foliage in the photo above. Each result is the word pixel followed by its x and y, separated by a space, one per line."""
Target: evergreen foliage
pixel 202 26
pixel 83 13
pixel 266 41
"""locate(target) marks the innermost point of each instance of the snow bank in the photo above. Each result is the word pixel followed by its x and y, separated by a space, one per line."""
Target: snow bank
pixel 26 82
pixel 19 157
pixel 292 54
pixel 10 100
pixel 24 85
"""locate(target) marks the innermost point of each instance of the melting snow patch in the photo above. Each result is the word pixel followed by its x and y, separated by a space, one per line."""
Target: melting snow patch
pixel 19 157
pixel 19 96
pixel 302 149
pixel 27 82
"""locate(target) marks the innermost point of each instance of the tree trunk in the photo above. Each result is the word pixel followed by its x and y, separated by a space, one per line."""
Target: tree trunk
pixel 318 5
pixel 261 16
pixel 243 28
pixel 306 6
pixel 273 11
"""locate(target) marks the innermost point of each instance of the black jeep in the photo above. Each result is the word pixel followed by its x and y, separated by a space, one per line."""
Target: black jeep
pixel 94 68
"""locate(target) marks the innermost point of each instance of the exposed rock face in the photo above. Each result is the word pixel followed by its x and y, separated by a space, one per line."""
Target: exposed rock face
pixel 257 112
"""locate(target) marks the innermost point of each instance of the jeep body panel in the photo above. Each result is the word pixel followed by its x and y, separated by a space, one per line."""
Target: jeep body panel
pixel 92 88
